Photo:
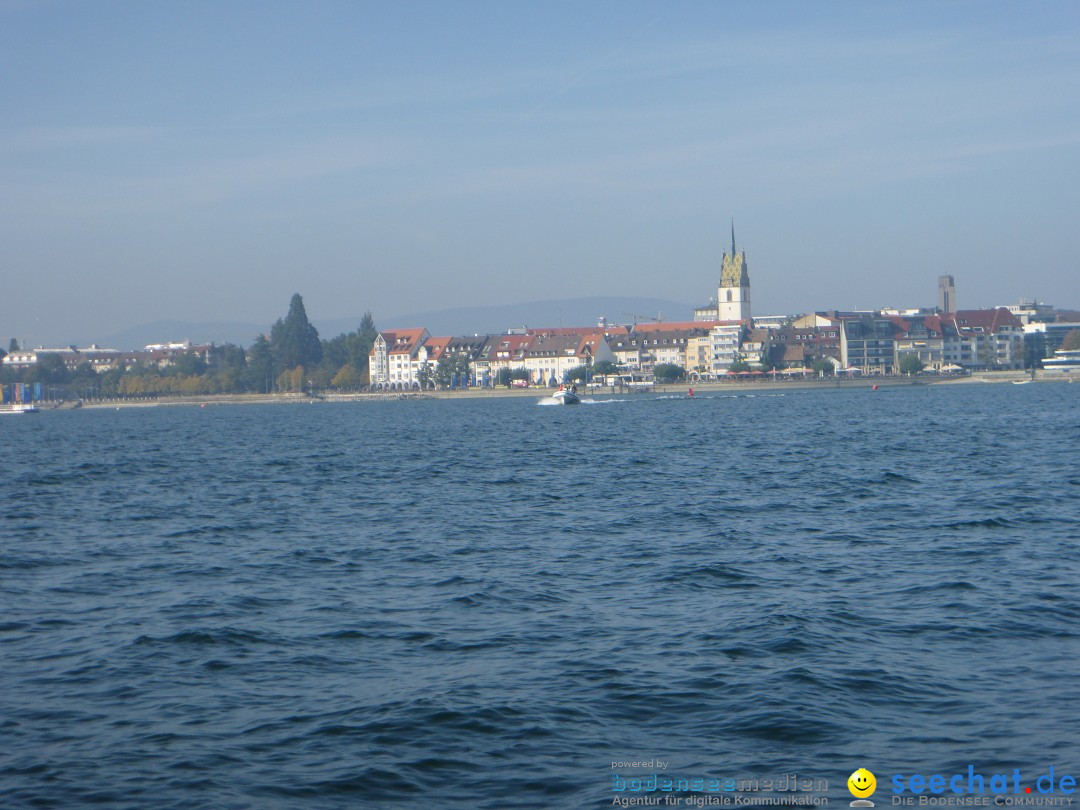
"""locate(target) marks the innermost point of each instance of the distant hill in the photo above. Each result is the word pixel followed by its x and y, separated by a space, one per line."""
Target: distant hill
pixel 497 319
pixel 135 337
pixel 459 321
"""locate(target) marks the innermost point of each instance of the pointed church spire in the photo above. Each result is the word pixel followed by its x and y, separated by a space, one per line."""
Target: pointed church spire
pixel 733 237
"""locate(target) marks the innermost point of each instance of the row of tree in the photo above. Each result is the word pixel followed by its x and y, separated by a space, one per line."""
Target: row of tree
pixel 291 358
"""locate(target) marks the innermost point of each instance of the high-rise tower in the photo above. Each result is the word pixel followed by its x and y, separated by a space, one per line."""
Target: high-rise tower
pixel 946 294
pixel 733 295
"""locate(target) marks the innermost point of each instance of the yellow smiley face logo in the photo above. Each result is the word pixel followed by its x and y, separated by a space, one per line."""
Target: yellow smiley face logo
pixel 861 783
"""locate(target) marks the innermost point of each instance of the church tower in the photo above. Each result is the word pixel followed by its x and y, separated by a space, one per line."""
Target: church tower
pixel 733 295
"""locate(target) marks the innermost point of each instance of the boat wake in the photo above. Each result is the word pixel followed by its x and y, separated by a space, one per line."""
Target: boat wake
pixel 547 402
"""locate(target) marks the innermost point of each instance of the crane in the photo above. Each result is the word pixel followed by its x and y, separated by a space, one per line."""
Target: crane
pixel 658 317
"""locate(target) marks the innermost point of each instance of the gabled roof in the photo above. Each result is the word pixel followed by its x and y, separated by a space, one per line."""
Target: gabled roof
pixel 436 346
pixel 967 321
pixel 558 345
pixel 589 343
pixel 793 354
pixel 403 341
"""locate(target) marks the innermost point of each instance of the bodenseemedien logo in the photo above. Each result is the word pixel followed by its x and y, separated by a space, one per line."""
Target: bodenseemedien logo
pixel 862 785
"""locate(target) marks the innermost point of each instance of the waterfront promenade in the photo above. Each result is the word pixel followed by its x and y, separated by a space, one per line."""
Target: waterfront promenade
pixel 682 388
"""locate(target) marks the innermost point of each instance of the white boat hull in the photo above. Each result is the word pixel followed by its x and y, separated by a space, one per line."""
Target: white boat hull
pixel 566 398
pixel 20 408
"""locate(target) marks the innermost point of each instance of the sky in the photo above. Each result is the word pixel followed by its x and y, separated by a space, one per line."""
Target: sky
pixel 203 161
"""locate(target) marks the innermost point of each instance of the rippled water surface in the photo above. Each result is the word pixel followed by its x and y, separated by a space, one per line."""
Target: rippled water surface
pixel 484 603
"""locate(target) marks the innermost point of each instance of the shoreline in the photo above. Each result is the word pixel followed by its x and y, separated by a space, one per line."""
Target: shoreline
pixel 998 377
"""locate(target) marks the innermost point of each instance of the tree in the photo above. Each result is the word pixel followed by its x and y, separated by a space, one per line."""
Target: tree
pixel 987 354
pixel 911 364
pixel 605 367
pixel 347 377
pixel 51 369
pixel 452 369
pixel 578 374
pixel 352 348
pixel 425 375
pixel 259 369
pixel 294 341
pixel 188 364
pixel 13 346
pixel 233 356
pixel 822 366
pixel 1071 341
pixel 739 365
pixel 365 339
pixel 668 372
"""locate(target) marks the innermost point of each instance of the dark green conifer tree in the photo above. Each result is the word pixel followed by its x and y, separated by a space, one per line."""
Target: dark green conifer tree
pixel 294 341
pixel 259 371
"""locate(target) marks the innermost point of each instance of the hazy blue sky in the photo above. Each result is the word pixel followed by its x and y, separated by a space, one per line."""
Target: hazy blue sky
pixel 203 161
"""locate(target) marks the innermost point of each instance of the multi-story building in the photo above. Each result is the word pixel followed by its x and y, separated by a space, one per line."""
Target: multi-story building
pixel 676 343
pixel 708 312
pixel 922 336
pixel 698 355
pixel 551 355
pixel 946 294
pixel 394 363
pixel 1064 361
pixel 972 339
pixel 866 343
pixel 459 353
pixel 983 339
pixel 755 346
pixel 1030 311
pixel 725 341
pixel 500 352
pixel 801 345
pixel 164 355
pixel 667 343
pixel 1042 340
pixel 94 357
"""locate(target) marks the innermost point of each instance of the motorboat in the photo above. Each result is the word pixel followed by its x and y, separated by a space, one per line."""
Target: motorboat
pixel 566 396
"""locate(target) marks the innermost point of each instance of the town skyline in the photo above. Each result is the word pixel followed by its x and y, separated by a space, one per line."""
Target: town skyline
pixel 472 320
pixel 491 319
pixel 201 163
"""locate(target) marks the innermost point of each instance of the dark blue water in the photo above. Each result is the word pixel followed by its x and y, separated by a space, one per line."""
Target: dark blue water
pixel 485 603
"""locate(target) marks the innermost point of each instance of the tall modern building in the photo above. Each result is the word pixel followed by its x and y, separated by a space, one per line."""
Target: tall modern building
pixel 733 295
pixel 946 294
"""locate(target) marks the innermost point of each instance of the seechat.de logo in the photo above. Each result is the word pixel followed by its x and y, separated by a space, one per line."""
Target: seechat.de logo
pixel 862 785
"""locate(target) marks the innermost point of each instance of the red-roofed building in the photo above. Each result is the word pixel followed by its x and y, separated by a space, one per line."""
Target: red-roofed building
pixel 971 339
pixel 502 352
pixel 648 344
pixel 393 361
pixel 552 354
pixel 983 338
pixel 448 362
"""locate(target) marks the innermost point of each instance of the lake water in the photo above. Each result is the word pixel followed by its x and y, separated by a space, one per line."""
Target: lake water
pixel 485 603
